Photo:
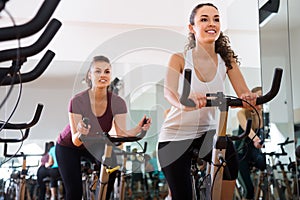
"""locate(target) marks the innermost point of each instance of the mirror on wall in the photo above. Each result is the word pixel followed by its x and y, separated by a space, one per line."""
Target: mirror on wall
pixel 278 47
pixel 294 30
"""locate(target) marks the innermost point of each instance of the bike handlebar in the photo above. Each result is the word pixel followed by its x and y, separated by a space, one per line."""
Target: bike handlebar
pixel 25 125
pixel 245 133
pixel 283 152
pixel 105 136
pixel 39 45
pixel 5 154
pixel 273 153
pixel 287 141
pixel 9 140
pixel 33 26
pixel 127 153
pixel 33 74
pixel 220 98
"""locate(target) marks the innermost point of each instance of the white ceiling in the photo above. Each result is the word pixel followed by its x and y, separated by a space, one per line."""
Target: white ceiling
pixel 86 24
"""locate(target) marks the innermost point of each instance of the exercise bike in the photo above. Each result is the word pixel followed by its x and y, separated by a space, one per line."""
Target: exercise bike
pixel 106 163
pixel 223 103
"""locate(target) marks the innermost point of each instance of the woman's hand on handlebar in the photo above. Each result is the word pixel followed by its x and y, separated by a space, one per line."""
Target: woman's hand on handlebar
pixel 83 128
pixel 257 142
pixel 144 124
pixel 199 99
pixel 250 98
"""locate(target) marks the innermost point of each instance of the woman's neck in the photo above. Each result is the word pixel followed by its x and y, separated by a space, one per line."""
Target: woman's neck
pixel 98 93
pixel 205 50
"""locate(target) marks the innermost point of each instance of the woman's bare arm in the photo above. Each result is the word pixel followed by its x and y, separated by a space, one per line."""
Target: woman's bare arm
pixel 121 129
pixel 77 128
pixel 175 67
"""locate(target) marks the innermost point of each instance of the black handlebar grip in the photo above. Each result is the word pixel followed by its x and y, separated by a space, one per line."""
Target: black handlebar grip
pixel 287 141
pixel 26 125
pixel 33 26
pixel 274 88
pixel 184 100
pixel 208 103
pixel 10 140
pixel 262 141
pixel 245 133
pixel 33 74
pixel 86 121
pixel 143 132
pixel 38 46
pixel 145 147
pixel 248 127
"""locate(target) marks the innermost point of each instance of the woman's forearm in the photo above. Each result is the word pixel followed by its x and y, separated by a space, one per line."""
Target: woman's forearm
pixel 75 139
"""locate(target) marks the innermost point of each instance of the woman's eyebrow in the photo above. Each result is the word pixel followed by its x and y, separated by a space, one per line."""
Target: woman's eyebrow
pixel 207 15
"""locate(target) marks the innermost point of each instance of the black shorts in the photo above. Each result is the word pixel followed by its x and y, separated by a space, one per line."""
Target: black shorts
pixel 170 151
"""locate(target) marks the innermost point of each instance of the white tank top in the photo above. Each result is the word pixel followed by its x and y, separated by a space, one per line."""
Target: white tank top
pixel 183 125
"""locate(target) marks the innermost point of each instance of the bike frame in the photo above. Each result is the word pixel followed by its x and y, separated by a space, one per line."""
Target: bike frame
pixel 218 155
pixel 105 171
pixel 22 190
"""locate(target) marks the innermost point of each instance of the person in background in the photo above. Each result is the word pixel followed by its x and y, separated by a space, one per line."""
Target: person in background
pixel 137 174
pixel 153 162
pixel 156 175
pixel 249 149
pixel 43 171
pixel 103 109
pixel 210 58
pixel 148 171
pixel 53 172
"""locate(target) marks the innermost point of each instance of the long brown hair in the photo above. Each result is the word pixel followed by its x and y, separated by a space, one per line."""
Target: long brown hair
pixel 222 44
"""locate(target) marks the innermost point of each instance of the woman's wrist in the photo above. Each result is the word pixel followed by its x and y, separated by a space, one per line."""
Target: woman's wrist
pixel 129 133
pixel 255 138
pixel 138 129
pixel 76 139
pixel 79 136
